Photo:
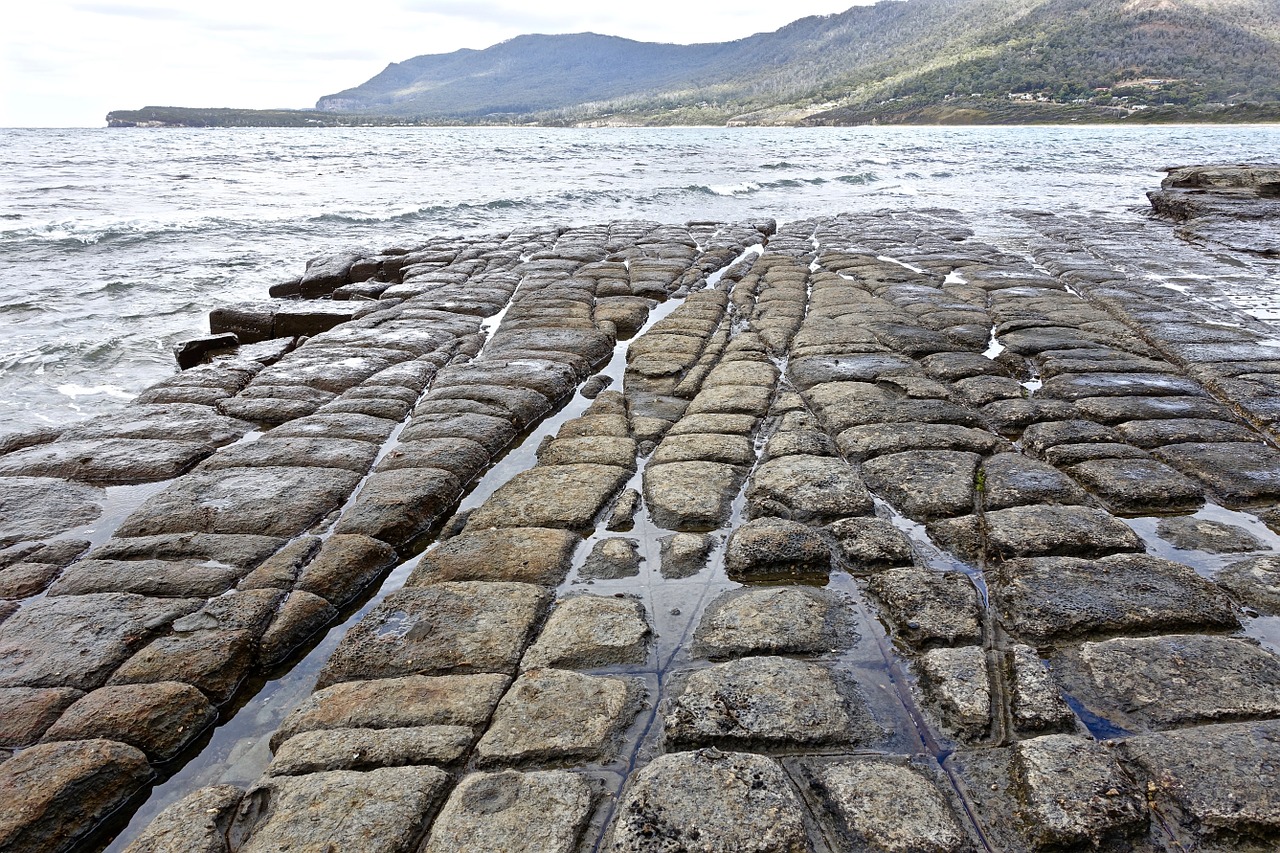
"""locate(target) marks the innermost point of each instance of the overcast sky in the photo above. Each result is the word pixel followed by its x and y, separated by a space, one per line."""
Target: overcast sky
pixel 66 63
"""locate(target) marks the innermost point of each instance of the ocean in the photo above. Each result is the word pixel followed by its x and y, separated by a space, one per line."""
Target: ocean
pixel 115 244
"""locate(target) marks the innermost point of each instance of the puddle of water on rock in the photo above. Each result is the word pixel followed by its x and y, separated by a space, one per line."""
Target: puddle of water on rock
pixel 1206 563
pixel 1264 629
pixel 994 347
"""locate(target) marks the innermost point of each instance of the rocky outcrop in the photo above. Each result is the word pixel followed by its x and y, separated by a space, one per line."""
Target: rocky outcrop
pixel 1234 206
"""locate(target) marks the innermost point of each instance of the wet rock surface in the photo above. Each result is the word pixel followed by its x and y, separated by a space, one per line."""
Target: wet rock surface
pixel 899 513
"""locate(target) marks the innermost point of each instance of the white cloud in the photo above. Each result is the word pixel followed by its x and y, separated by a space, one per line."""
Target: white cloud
pixel 68 62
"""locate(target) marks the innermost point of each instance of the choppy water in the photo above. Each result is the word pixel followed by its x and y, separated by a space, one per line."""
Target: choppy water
pixel 114 244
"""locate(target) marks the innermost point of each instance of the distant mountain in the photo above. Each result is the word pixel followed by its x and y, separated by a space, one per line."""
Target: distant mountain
pixel 912 61
pixel 1105 53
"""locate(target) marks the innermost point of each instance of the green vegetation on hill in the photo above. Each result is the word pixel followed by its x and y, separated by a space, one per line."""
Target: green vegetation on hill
pixel 899 61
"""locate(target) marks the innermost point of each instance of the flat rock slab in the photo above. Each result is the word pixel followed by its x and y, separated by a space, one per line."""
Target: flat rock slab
pixel 711 802
pixel 929 608
pixel 553 715
pixel 536 555
pixel 1037 531
pixel 870 544
pixel 1138 485
pixel 449 628
pixel 395 506
pixel 27 712
pixel 33 508
pixel 546 810
pixel 691 496
pixel 272 451
pixel 113 461
pixel 1011 479
pixel 597 450
pixel 860 443
pixel 1075 792
pixel 345 565
pixel 159 719
pixel 1221 779
pixel 559 496
pixel 192 422
pixel 767 549
pixel 589 631
pixel 772 621
pixel 1199 534
pixel 612 559
pixel 381 811
pixel 365 749
pixel 197 823
pixel 958 682
pixel 77 641
pixel 1051 598
pixel 1255 582
pixel 1239 472
pixel 243 551
pixel 925 484
pixel 55 793
pixel 393 703
pixel 1174 680
pixel 1166 431
pixel 889 807
pixel 261 501
pixel 764 702
pixel 1074 386
pixel 491 433
pixel 160 578
pixel 812 489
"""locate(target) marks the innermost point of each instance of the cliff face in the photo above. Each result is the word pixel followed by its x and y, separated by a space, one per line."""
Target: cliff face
pixel 1116 54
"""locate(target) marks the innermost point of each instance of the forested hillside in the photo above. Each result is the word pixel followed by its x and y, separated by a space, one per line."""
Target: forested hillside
pixel 918 61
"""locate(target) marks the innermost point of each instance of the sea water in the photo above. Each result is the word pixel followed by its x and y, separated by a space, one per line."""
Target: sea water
pixel 115 244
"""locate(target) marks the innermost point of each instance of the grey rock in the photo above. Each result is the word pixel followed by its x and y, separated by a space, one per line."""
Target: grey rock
pixel 365 749
pixel 958 682
pixel 929 608
pixel 1219 778
pixel 243 551
pixel 1138 485
pixel 345 565
pixel 382 811
pixel 1037 531
pixel 56 793
pixel 159 719
pixel 197 823
pixel 925 484
pixel 683 555
pixel 589 631
pixel 1039 437
pixel 1075 792
pixel 1074 386
pixel 448 628
pixel 807 488
pixel 301 615
pixel 1214 537
pixel 1113 410
pixel 1011 479
pixel 735 425
pixel 261 501
pixel 870 544
pixel 158 578
pixel 190 422
pixel 553 715
pixel 771 548
pixel 1174 680
pixel 547 810
pixel 461 457
pixel 891 808
pixel 522 554
pixel 396 703
pixel 1240 473
pixel 271 451
pixel 94 635
pixel 1255 582
pixel 27 712
pixel 1158 433
pixel 774 620
pixel 1035 702
pixel 489 432
pixel 865 442
pixel 764 702
pixel 1064 455
pixel 39 507
pixel 108 461
pixel 691 496
pixel 595 449
pixel 711 802
pixel 396 506
pixel 622 516
pixel 810 371
pixel 560 496
pixel 1052 598
pixel 810 442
